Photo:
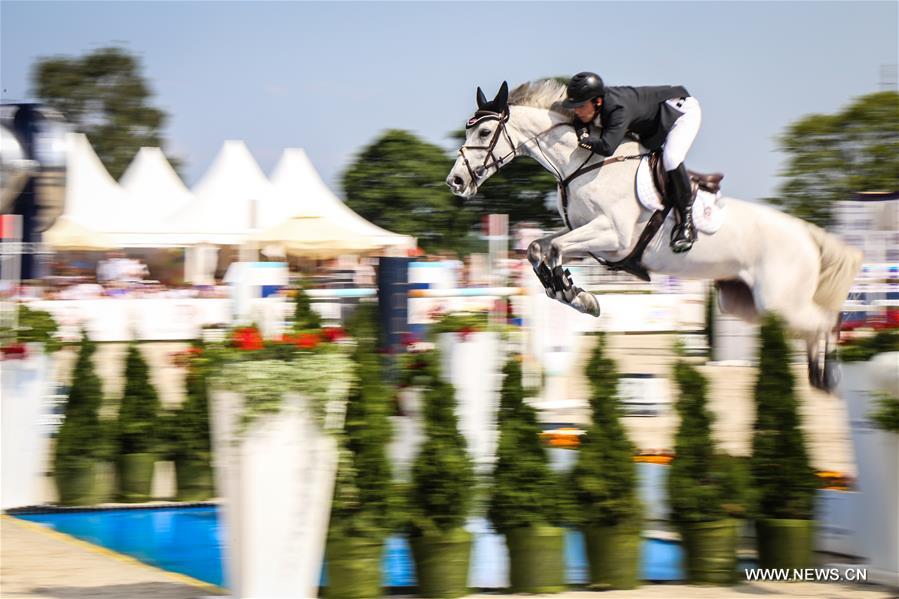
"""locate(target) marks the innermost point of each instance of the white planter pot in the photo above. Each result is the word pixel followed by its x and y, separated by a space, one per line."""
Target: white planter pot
pixel 474 366
pixel 877 460
pixel 408 434
pixel 24 386
pixel 276 479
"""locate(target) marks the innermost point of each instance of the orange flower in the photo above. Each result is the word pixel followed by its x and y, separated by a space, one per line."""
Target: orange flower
pixel 332 334
pixel 248 338
pixel 308 340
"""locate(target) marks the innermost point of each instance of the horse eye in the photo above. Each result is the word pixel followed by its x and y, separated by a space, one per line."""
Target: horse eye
pixel 484 132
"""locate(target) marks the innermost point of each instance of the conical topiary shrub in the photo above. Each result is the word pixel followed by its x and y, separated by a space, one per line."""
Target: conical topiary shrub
pixel 523 504
pixel 703 490
pixel 605 483
pixel 80 437
pixel 783 478
pixel 188 432
pixel 361 510
pixel 304 317
pixel 138 432
pixel 711 299
pixel 441 490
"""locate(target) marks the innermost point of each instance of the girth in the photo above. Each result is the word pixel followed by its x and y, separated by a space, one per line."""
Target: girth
pixel 633 262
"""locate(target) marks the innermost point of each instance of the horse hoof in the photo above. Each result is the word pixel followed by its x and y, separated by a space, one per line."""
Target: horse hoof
pixel 587 303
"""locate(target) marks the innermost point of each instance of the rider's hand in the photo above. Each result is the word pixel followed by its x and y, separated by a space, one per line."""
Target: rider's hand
pixel 587 140
pixel 581 129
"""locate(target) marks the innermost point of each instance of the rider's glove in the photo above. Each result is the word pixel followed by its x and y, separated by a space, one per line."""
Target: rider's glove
pixel 581 129
pixel 587 139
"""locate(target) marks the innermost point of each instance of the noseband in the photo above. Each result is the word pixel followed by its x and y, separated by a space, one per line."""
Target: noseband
pixel 490 160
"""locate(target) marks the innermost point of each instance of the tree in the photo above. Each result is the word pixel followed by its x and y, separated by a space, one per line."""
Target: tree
pixel 304 317
pixel 397 183
pixel 362 496
pixel 81 434
pixel 711 301
pixel 523 485
pixel 832 156
pixel 190 424
pixel 694 489
pixel 604 478
pixel 782 475
pixel 139 412
pixel 105 95
pixel 443 473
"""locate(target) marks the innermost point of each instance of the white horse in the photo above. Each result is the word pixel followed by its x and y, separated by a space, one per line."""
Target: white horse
pixel 761 259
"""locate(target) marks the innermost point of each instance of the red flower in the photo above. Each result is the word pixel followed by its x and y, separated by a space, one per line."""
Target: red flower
pixel 308 340
pixel 464 333
pixel 248 338
pixel 16 351
pixel 332 334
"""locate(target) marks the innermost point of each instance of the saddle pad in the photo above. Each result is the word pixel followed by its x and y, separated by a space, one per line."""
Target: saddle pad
pixel 708 209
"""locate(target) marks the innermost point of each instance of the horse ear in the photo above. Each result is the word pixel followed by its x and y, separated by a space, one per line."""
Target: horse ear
pixel 502 97
pixel 482 99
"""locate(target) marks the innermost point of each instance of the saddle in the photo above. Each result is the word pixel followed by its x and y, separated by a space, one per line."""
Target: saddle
pixel 706 182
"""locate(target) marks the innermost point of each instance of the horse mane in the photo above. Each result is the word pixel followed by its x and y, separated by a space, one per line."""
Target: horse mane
pixel 541 93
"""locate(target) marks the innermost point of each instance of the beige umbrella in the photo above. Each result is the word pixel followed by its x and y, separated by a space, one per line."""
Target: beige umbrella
pixel 66 234
pixel 316 237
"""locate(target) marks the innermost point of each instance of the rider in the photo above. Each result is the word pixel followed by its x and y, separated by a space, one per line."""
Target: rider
pixel 664 117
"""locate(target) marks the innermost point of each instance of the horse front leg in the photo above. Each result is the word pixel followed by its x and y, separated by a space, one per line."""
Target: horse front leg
pixel 597 236
pixel 538 255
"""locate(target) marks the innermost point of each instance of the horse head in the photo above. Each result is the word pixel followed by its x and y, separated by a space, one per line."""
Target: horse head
pixel 488 145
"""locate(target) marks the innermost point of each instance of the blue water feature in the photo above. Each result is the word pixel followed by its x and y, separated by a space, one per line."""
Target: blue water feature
pixel 188 540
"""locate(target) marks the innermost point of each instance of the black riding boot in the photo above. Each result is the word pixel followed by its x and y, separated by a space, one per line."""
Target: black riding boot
pixel 681 193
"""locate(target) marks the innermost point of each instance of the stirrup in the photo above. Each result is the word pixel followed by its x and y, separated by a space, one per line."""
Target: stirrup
pixel 679 246
pixel 681 241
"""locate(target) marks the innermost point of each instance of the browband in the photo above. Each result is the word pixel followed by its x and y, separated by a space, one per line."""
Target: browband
pixel 486 115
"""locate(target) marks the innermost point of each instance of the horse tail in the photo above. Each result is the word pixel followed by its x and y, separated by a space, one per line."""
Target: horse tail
pixel 840 262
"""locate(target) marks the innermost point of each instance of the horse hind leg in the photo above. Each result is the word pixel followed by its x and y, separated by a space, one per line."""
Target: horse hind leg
pixel 735 297
pixel 822 366
pixel 788 289
pixel 810 322
pixel 815 368
pixel 832 372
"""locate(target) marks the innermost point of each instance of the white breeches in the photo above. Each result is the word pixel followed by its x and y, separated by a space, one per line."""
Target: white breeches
pixel 682 133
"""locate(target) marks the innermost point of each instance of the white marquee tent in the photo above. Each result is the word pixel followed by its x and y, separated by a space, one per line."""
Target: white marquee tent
pixel 298 181
pixel 93 198
pixel 154 190
pixel 233 201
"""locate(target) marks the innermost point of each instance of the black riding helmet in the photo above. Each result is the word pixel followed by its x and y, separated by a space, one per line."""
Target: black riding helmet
pixel 582 88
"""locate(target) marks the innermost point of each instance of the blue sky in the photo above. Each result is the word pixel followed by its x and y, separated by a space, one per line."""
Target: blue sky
pixel 330 77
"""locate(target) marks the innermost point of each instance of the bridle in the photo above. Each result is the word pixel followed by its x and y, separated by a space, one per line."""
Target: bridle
pixel 478 172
